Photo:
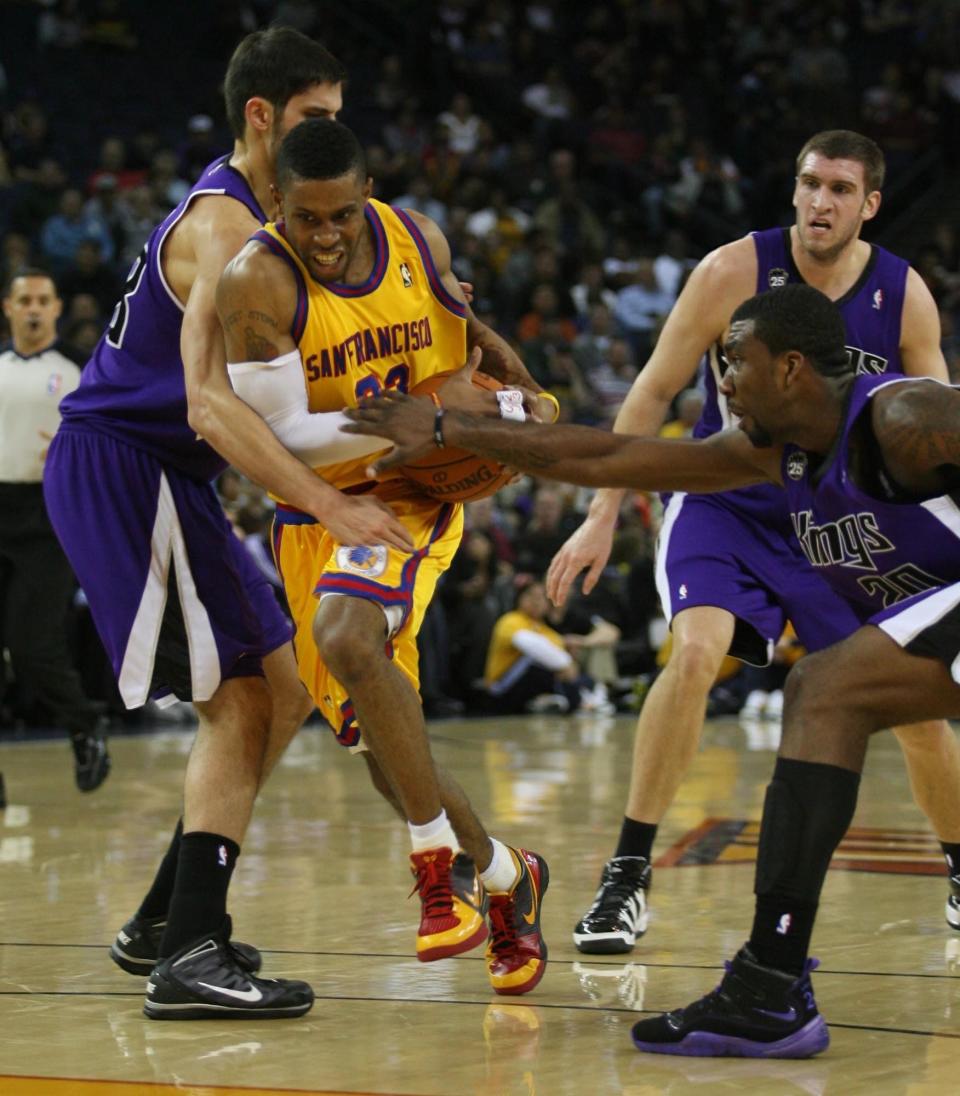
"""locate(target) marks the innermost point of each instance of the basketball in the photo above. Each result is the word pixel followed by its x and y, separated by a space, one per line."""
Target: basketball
pixel 454 475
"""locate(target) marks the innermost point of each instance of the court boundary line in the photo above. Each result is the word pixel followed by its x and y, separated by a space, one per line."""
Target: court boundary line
pixel 554 1006
pixel 481 959
pixel 174 1086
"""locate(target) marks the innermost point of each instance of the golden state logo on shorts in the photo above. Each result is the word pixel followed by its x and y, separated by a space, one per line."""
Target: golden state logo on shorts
pixel 363 560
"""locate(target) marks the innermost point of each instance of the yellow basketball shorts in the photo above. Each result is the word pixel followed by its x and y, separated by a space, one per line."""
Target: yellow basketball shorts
pixel 312 565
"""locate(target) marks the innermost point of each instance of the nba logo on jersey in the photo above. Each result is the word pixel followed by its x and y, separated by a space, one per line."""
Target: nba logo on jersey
pixel 54 383
pixel 878 300
pixel 406 275
pixel 363 560
pixel 777 277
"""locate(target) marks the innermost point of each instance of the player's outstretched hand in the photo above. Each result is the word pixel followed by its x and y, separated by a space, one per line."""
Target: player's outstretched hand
pixel 406 421
pixel 586 549
pixel 365 520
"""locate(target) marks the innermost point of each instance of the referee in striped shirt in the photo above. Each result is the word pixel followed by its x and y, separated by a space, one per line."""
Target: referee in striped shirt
pixel 36 582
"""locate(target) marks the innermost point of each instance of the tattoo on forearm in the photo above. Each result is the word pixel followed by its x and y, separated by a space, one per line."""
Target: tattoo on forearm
pixel 508 448
pixel 258 348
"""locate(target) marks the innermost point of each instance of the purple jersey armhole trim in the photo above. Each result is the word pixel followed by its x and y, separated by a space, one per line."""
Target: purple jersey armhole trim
pixel 300 314
pixel 439 290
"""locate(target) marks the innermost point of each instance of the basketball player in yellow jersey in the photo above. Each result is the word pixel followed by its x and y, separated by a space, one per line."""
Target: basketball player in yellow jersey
pixel 341 298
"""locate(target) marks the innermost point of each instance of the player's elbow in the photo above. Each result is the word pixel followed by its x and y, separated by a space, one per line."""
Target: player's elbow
pixel 201 414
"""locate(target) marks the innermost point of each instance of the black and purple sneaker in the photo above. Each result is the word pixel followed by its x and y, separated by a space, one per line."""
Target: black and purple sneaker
pixel 755 1012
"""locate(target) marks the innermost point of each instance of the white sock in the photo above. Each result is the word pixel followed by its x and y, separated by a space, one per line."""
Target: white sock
pixel 501 873
pixel 435 834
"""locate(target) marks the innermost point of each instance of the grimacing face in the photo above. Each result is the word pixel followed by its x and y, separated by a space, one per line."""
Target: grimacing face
pixel 749 384
pixel 32 308
pixel 324 221
pixel 831 203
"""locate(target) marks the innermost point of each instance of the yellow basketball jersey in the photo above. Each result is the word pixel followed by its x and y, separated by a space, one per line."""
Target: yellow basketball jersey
pixel 393 331
pixel 502 654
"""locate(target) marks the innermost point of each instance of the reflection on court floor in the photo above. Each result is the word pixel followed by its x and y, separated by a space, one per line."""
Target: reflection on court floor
pixel 322 888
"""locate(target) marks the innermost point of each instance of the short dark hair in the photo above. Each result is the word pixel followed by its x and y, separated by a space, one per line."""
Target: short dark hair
pixel 275 65
pixel 799 317
pixel 844 144
pixel 319 149
pixel 29 272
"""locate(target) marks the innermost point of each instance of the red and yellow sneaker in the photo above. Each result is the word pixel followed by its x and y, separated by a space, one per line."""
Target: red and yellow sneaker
pixel 453 904
pixel 517 952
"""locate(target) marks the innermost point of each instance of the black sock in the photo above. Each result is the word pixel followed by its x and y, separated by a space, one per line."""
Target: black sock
pixel 951 854
pixel 781 932
pixel 807 810
pixel 636 838
pixel 158 896
pixel 199 902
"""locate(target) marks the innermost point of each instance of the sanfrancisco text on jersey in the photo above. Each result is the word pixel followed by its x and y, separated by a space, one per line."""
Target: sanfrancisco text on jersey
pixel 370 344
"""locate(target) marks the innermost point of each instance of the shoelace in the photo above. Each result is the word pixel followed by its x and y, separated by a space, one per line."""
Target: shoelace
pixel 618 890
pixel 503 930
pixel 433 885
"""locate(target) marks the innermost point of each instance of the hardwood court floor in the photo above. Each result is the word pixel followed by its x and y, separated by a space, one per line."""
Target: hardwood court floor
pixel 322 887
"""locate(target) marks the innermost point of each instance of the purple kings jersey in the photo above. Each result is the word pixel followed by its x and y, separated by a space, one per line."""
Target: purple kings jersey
pixel 874 552
pixel 872 310
pixel 133 387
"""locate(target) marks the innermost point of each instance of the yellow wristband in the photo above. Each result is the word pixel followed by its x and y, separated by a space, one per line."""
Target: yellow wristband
pixel 556 403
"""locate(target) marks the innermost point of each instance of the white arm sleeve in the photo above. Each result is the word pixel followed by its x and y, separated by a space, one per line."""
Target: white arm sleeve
pixel 276 391
pixel 541 650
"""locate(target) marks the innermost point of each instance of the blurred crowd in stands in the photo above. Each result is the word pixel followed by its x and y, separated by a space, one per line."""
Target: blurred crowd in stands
pixel 580 159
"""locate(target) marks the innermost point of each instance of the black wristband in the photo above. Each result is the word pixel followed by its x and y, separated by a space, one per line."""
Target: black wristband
pixel 438 429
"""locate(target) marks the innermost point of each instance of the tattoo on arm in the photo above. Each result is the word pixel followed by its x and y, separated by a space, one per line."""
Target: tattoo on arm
pixel 257 347
pixel 926 438
pixel 504 443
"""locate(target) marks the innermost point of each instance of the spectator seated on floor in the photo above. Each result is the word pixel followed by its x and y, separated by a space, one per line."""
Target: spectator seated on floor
pixel 529 666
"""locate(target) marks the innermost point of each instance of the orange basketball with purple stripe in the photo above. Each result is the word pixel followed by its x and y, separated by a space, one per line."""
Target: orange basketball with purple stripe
pixel 455 475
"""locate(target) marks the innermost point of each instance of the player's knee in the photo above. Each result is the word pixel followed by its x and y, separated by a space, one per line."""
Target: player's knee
pixel 349 637
pixel 810 687
pixel 697 659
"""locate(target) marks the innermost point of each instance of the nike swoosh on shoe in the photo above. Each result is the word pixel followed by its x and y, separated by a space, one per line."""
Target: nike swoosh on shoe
pixel 788 1017
pixel 250 994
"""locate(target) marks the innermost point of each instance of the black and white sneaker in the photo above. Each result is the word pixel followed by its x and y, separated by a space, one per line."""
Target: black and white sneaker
pixel 619 911
pixel 202 981
pixel 91 761
pixel 953 903
pixel 755 1012
pixel 136 948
